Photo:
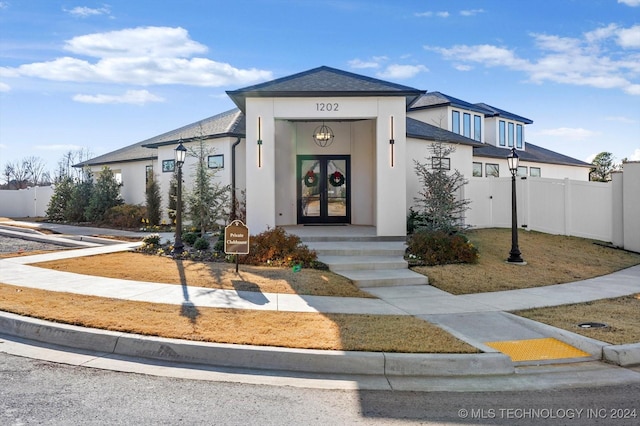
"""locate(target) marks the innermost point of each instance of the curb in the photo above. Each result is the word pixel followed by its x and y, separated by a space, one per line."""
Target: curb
pixel 256 357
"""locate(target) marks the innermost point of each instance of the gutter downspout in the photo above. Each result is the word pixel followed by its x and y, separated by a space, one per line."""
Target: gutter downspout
pixel 233 178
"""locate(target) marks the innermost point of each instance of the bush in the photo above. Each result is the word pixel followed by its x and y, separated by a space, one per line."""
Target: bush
pixel 275 247
pixel 125 216
pixel 151 240
pixel 201 244
pixel 440 248
pixel 190 238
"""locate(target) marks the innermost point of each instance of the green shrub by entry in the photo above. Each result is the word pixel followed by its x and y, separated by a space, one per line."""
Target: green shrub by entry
pixel 440 248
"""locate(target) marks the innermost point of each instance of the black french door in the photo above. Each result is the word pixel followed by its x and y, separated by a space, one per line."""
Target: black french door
pixel 323 186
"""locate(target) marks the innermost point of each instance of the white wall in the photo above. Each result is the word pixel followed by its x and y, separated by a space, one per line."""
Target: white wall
pixel 29 202
pixel 631 205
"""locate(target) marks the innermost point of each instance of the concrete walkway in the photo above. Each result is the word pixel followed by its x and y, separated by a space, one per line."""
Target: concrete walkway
pixel 474 318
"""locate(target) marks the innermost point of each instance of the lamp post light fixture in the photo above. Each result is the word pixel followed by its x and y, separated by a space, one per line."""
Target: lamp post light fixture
pixel 514 255
pixel 180 155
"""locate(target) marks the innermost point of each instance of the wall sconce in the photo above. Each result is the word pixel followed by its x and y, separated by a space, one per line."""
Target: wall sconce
pixel 259 142
pixel 323 136
pixel 392 143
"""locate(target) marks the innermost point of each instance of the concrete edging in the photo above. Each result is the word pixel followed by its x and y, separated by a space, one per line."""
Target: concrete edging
pixel 622 355
pixel 255 357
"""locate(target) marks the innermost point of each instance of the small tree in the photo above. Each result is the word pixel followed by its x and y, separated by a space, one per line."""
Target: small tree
pixel 438 205
pixel 63 188
pixel 208 201
pixel 603 166
pixel 173 196
pixel 105 194
pixel 154 200
pixel 81 194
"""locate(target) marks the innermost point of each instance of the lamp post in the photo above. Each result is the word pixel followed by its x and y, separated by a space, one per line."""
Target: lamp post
pixel 514 254
pixel 180 154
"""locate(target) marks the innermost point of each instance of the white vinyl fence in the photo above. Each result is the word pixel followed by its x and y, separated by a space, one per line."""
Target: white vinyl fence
pixel 30 202
pixel 607 212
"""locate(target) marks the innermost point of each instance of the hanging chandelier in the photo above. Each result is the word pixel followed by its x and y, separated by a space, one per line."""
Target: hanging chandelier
pixel 323 136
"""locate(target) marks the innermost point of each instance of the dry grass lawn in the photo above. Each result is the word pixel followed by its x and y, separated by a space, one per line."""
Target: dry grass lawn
pixel 620 314
pixel 551 259
pixel 218 275
pixel 284 329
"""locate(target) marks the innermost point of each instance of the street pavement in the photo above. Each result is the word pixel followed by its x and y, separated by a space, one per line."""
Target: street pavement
pixel 479 319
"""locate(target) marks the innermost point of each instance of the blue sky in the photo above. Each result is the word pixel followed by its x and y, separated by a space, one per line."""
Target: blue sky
pixel 102 75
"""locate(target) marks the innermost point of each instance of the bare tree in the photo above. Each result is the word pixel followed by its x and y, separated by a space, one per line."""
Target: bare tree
pixel 17 174
pixel 34 168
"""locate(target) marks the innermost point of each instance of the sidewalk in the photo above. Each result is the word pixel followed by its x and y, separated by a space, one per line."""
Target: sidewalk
pixel 478 319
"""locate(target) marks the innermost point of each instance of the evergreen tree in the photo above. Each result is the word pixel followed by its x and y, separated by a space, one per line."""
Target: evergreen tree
pixel 173 196
pixel 106 194
pixel 208 201
pixel 154 200
pixel 603 166
pixel 76 210
pixel 63 188
pixel 438 205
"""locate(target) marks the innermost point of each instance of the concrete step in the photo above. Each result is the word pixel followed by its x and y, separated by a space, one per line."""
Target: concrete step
pixel 384 277
pixel 345 263
pixel 350 238
pixel 362 248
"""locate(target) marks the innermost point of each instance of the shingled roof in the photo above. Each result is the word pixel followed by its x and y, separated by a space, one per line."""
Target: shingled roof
pixel 533 153
pixel 420 130
pixel 229 123
pixel 438 99
pixel 323 81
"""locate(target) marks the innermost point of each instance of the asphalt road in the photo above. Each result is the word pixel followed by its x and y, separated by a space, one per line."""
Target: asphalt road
pixel 40 392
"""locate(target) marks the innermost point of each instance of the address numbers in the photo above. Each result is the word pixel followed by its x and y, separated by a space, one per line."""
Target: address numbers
pixel 322 106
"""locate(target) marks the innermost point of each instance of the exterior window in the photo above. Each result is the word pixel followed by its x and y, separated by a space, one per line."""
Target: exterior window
pixel 534 172
pixel 477 128
pixel 455 122
pixel 148 174
pixel 439 163
pixel 522 171
pixel 466 121
pixel 215 161
pixel 492 170
pixel 168 165
pixel 519 136
pixel 510 134
pixel 477 169
pixel 501 127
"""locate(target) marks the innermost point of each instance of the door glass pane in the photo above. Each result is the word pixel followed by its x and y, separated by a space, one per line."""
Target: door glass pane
pixel 310 171
pixel 337 188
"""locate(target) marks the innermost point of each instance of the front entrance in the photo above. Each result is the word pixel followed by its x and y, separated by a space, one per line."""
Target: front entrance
pixel 323 186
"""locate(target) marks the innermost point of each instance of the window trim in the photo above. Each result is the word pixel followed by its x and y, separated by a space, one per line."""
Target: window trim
pixel 531 169
pixel 519 136
pixel 455 121
pixel 522 168
pixel 486 169
pixel 466 125
pixel 477 128
pixel 510 134
pixel 502 132
pixel 441 163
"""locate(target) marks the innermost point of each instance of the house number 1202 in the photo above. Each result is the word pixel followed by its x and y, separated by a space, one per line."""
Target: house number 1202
pixel 321 106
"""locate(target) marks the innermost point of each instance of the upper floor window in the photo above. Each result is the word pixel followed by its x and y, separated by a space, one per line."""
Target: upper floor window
pixel 477 169
pixel 502 131
pixel 477 128
pixel 519 136
pixel 455 122
pixel 466 124
pixel 511 134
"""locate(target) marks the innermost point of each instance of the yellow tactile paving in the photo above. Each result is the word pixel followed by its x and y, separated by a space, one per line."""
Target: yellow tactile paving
pixel 537 349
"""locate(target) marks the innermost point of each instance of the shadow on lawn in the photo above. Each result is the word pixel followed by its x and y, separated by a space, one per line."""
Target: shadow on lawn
pixel 187 308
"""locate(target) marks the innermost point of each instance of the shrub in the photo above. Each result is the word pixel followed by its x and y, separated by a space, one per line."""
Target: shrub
pixel 151 240
pixel 440 248
pixel 275 247
pixel 125 216
pixel 201 244
pixel 190 238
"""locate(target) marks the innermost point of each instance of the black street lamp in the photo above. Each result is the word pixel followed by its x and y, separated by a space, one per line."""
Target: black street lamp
pixel 514 254
pixel 180 154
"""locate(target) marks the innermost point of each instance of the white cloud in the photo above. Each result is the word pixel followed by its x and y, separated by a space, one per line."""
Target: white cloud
pixel 137 97
pixel 573 134
pixel 632 3
pixel 359 64
pixel 397 71
pixel 621 119
pixel 635 156
pixel 4 87
pixel 4 5
pixel 84 12
pixel 429 14
pixel 471 12
pixel 591 60
pixel 139 56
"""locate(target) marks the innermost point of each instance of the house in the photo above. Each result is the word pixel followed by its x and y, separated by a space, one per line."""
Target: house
pixel 327 146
